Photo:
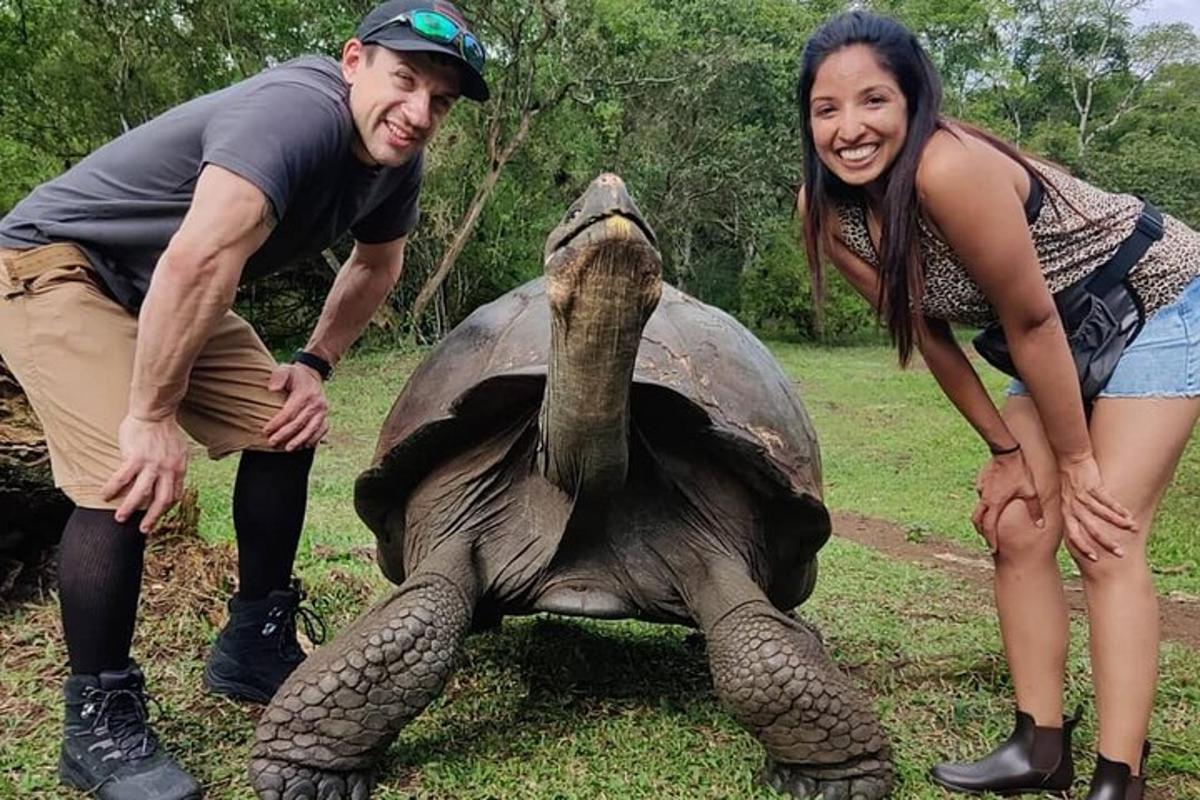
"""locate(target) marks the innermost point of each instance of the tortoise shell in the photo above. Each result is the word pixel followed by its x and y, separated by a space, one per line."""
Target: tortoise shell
pixel 696 366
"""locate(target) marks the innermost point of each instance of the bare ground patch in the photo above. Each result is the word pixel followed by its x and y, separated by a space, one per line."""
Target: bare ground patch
pixel 1180 614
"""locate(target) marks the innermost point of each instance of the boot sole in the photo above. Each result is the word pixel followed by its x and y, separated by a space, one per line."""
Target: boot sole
pixel 69 774
pixel 999 793
pixel 233 689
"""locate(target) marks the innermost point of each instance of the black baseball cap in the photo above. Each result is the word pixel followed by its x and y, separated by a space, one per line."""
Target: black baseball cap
pixel 403 37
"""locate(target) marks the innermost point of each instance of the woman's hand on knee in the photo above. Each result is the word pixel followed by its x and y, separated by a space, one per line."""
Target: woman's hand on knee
pixel 1089 510
pixel 1004 479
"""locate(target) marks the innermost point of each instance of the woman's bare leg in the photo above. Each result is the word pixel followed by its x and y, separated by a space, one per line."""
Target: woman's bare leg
pixel 1029 592
pixel 1137 443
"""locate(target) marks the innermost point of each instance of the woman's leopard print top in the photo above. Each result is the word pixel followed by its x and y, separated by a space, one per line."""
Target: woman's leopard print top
pixel 1069 246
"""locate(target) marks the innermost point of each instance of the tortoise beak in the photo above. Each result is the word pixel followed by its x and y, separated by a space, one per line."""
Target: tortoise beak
pixel 605 212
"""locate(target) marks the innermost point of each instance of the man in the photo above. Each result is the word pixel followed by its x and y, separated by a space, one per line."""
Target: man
pixel 116 281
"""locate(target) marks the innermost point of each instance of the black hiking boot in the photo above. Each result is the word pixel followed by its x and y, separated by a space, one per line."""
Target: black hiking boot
pixel 109 750
pixel 257 649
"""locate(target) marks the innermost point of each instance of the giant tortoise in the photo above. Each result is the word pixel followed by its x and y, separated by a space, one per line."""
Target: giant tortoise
pixel 594 443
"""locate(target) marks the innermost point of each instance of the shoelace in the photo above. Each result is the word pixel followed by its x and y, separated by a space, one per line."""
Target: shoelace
pixel 127 723
pixel 314 626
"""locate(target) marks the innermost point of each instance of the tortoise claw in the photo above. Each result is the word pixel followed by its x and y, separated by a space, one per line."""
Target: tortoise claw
pixel 282 780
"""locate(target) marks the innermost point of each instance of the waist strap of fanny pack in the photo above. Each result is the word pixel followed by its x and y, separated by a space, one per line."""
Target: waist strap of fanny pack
pixel 1147 231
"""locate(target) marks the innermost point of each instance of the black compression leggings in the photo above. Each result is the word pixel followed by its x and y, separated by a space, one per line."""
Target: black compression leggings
pixel 100 559
pixel 269 501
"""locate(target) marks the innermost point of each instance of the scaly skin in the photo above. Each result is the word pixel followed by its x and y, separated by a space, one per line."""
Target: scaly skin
pixel 518 523
pixel 328 724
pixel 822 738
pixel 602 285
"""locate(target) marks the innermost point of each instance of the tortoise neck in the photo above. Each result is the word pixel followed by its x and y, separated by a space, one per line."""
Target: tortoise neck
pixel 599 306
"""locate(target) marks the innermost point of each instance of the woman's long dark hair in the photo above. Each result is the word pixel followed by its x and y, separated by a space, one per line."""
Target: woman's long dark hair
pixel 901 275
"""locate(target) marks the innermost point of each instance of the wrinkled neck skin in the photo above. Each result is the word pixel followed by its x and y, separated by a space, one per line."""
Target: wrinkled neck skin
pixel 600 299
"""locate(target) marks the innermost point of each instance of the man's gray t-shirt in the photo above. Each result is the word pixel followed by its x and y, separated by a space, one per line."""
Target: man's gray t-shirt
pixel 287 130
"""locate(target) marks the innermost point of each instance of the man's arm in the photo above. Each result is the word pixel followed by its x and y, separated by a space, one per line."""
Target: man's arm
pixel 361 286
pixel 193 286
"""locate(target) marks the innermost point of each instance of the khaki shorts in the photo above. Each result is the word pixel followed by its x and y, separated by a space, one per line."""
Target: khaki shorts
pixel 71 347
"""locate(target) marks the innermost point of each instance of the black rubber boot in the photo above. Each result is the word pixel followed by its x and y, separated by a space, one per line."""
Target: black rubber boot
pixel 1031 760
pixel 1114 780
pixel 109 750
pixel 257 649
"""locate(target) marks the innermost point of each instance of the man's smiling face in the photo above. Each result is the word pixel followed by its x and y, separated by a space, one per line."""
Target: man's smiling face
pixel 397 100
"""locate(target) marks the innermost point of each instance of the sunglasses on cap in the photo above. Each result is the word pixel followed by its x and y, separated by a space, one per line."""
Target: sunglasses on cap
pixel 438 28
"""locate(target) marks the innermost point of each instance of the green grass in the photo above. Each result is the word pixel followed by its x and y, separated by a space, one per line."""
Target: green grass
pixel 894 447
pixel 547 708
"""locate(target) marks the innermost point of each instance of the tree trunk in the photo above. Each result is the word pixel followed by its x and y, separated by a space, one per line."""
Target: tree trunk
pixel 683 273
pixel 497 158
pixel 461 236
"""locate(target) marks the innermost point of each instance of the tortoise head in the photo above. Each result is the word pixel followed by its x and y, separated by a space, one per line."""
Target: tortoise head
pixel 604 213
pixel 603 281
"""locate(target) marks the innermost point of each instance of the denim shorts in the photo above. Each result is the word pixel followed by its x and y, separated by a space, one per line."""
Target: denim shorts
pixel 1164 360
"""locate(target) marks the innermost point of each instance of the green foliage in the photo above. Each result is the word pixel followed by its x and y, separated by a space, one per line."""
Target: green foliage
pixel 1160 165
pixel 22 168
pixel 775 295
pixel 691 101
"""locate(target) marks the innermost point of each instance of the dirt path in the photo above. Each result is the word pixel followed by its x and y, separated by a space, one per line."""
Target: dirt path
pixel 1180 615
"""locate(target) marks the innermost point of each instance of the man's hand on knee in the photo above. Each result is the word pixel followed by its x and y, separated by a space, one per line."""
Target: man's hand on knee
pixel 304 418
pixel 153 466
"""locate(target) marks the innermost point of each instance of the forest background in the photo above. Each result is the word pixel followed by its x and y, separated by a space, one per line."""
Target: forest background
pixel 691 101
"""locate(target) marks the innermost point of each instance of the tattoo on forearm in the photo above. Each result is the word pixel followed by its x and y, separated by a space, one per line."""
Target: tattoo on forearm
pixel 268 220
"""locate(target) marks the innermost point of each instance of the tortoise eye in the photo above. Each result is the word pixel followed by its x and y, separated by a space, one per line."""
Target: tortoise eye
pixel 574 213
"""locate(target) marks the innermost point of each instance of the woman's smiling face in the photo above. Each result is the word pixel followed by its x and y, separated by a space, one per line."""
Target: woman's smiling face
pixel 858 115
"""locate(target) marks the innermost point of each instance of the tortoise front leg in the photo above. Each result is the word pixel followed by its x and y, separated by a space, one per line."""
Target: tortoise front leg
pixel 772 673
pixel 340 710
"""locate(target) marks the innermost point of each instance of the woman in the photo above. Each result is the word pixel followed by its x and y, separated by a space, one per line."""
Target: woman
pixel 933 222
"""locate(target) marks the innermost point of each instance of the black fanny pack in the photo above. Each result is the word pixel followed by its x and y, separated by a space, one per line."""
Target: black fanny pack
pixel 1100 314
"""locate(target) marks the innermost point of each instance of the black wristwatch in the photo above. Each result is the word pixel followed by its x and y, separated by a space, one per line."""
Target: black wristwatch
pixel 313 362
